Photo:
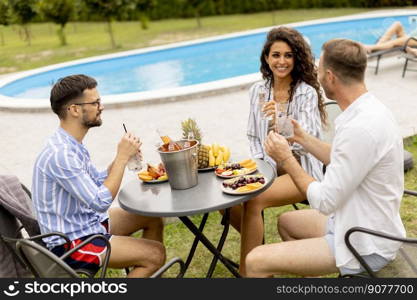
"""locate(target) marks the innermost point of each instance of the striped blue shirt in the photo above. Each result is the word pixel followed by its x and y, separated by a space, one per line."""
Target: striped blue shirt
pixel 68 192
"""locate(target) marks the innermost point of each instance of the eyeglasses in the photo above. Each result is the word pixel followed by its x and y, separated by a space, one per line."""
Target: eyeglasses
pixel 95 103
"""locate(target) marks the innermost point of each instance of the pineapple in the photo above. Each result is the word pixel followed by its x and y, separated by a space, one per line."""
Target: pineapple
pixel 190 129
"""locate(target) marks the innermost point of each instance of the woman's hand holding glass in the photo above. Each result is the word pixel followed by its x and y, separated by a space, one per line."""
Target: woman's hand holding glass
pixel 268 111
pixel 264 104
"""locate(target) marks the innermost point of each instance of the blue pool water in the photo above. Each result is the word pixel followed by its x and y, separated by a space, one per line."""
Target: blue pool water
pixel 193 64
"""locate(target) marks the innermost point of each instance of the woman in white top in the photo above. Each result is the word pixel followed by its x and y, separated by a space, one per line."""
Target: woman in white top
pixel 290 81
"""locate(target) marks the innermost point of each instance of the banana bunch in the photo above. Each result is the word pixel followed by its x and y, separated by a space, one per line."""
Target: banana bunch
pixel 218 154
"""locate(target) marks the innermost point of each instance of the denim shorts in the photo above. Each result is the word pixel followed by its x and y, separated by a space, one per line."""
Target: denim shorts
pixel 375 261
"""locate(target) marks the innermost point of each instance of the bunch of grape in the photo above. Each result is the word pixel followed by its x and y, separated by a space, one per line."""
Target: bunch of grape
pixel 235 166
pixel 242 181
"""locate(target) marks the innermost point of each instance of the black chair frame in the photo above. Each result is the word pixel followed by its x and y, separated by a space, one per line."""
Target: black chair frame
pixel 41 247
pixel 164 268
pixel 380 53
pixel 379 234
pixel 375 233
pixel 38 238
pixel 408 57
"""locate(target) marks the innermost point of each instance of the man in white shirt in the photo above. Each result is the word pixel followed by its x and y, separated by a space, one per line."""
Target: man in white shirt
pixel 363 184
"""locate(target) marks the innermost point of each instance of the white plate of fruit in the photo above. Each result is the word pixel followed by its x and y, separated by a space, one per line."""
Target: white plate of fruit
pixel 243 184
pixel 153 174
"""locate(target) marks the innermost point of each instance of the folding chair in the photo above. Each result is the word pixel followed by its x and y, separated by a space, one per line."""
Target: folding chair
pixel 32 253
pixel 45 264
pixel 380 53
pixel 390 52
pixel 333 111
pixel 9 227
pixel 404 265
pixel 408 57
pixel 10 235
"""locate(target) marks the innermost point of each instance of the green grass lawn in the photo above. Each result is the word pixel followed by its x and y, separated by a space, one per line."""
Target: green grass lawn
pixel 178 239
pixel 409 204
pixel 89 39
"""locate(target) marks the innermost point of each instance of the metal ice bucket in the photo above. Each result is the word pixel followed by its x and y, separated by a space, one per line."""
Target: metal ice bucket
pixel 181 166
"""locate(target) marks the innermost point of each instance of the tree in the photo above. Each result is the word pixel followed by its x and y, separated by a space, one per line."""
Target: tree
pixel 143 7
pixel 196 6
pixel 272 5
pixel 23 13
pixel 59 12
pixel 110 10
pixel 4 17
pixel 220 6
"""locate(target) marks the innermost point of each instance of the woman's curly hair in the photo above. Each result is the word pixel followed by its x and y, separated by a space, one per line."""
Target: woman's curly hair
pixel 304 67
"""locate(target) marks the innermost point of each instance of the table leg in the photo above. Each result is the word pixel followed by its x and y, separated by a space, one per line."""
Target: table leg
pixel 202 238
pixel 195 242
pixel 225 222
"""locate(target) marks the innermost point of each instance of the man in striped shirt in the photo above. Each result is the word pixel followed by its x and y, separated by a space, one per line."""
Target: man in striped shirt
pixel 71 196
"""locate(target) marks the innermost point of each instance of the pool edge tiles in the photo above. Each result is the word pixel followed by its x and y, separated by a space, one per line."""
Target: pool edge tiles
pixel 174 93
pixel 142 98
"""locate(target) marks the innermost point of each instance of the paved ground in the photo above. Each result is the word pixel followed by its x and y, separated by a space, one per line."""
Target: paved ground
pixel 222 118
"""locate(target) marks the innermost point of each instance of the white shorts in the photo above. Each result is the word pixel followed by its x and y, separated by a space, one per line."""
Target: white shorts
pixel 375 261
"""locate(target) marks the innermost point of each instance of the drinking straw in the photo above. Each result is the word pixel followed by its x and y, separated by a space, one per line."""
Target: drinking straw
pixel 124 126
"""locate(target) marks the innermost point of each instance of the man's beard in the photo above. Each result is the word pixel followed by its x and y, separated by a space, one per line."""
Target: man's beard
pixel 92 123
pixel 329 94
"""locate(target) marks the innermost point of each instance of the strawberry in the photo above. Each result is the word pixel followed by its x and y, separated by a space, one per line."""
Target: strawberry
pixel 219 171
pixel 161 168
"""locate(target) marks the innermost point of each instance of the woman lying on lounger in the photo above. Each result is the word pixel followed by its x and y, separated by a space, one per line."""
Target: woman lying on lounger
pixel 386 41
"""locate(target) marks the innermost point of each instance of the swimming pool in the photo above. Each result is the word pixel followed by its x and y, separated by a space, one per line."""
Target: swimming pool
pixel 189 66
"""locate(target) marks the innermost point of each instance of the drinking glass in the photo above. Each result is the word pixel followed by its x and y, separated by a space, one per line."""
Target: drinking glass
pixel 135 162
pixel 262 100
pixel 283 124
